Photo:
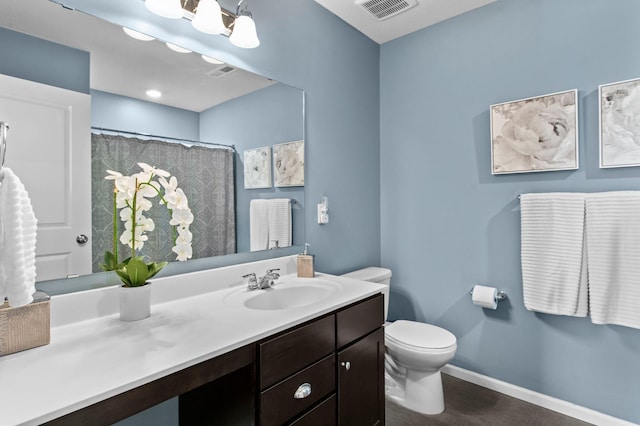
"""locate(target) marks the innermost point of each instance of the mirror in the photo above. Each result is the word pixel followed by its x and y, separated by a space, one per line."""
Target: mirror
pixel 217 103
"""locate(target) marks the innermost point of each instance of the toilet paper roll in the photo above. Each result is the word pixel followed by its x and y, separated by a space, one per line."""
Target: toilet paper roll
pixel 485 296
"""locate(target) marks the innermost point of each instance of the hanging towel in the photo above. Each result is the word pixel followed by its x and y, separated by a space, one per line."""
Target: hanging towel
pixel 553 253
pixel 613 244
pixel 18 227
pixel 259 225
pixel 279 222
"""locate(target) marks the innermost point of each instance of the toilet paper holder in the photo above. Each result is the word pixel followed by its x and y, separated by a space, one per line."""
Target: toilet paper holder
pixel 500 296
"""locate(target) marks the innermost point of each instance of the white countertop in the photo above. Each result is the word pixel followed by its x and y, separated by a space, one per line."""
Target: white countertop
pixel 93 355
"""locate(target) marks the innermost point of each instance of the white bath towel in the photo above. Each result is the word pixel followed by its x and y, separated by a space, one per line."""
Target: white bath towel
pixel 279 222
pixel 18 226
pixel 259 224
pixel 613 244
pixel 553 254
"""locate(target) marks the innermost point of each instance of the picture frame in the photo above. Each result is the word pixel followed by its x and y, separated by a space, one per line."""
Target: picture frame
pixel 619 123
pixel 536 134
pixel 288 164
pixel 257 168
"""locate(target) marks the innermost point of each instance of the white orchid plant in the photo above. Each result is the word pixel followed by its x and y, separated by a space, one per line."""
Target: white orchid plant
pixel 131 195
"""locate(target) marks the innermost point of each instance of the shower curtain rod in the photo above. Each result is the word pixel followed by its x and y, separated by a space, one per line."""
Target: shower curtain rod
pixel 148 135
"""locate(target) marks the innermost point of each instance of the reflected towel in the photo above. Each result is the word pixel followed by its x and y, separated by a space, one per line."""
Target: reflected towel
pixel 258 225
pixel 279 222
pixel 18 226
pixel 613 236
pixel 553 253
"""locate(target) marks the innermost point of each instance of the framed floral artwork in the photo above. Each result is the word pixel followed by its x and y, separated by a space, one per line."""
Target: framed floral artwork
pixel 288 164
pixel 535 134
pixel 257 168
pixel 619 110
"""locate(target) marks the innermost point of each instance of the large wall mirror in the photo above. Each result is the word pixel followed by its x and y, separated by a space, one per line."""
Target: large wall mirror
pixel 206 107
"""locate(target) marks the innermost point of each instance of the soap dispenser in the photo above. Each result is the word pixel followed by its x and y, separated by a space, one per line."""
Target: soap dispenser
pixel 305 263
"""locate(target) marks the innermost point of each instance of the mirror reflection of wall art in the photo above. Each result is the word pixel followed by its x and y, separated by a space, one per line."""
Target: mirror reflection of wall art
pixel 535 134
pixel 257 168
pixel 288 164
pixel 620 124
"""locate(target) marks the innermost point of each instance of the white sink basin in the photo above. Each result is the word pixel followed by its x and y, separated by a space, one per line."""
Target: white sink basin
pixel 285 294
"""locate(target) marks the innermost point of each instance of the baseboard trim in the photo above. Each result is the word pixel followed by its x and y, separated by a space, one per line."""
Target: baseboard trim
pixel 558 405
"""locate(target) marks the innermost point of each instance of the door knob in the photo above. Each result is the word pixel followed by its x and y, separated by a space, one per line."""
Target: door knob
pixel 82 239
pixel 346 365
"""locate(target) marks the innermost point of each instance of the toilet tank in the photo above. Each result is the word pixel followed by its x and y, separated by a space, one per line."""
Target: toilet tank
pixel 376 275
pixel 372 274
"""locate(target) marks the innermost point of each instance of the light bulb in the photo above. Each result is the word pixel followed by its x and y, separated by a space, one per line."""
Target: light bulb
pixel 208 18
pixel 244 33
pixel 165 8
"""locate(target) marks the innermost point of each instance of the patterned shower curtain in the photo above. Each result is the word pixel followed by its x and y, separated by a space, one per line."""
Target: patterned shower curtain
pixel 205 175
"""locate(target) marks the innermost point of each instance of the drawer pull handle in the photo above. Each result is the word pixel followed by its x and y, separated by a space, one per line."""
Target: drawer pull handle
pixel 346 365
pixel 303 391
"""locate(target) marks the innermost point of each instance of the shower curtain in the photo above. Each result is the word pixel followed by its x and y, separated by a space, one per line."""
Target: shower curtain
pixel 205 175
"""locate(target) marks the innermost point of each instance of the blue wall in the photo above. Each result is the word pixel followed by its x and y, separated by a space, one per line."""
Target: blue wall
pixel 31 58
pixel 448 224
pixel 269 116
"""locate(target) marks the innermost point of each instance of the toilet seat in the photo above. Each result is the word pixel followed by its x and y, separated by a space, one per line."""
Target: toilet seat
pixel 419 337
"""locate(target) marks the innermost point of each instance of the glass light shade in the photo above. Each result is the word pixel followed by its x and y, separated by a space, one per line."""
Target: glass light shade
pixel 244 33
pixel 165 8
pixel 212 60
pixel 137 35
pixel 177 48
pixel 208 18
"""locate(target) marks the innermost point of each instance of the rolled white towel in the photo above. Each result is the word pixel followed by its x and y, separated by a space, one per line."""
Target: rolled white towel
pixel 18 227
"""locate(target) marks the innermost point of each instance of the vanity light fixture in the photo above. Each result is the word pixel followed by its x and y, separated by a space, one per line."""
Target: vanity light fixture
pixel 244 28
pixel 177 48
pixel 137 35
pixel 166 8
pixel 208 17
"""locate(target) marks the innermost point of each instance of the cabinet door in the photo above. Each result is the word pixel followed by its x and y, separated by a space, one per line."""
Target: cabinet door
pixel 361 381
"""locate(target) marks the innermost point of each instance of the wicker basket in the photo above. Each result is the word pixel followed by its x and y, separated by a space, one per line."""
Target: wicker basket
pixel 25 327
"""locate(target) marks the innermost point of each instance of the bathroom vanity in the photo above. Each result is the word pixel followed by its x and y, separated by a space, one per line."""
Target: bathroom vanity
pixel 232 356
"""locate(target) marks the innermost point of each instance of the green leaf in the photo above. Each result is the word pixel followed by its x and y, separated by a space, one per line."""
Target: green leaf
pixel 154 268
pixel 137 271
pixel 109 262
pixel 122 273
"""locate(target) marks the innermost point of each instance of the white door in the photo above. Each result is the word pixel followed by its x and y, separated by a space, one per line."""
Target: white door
pixel 49 149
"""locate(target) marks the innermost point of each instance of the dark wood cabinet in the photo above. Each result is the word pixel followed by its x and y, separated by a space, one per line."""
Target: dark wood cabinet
pixel 361 381
pixel 340 360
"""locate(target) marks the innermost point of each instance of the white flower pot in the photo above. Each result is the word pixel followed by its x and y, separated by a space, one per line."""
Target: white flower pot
pixel 135 302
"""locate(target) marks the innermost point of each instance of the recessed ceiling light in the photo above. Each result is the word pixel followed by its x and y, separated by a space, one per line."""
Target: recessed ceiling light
pixel 212 60
pixel 153 93
pixel 137 35
pixel 178 49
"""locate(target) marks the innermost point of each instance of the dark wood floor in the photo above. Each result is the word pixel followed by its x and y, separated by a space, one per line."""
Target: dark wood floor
pixel 469 404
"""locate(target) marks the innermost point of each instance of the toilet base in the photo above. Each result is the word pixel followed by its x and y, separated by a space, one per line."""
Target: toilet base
pixel 422 391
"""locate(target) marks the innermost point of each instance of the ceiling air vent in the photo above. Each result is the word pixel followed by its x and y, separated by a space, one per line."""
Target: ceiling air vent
pixel 221 71
pixel 384 9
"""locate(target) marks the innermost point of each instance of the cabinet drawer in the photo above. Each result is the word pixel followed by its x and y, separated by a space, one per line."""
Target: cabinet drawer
pixel 277 404
pixel 323 415
pixel 359 320
pixel 286 354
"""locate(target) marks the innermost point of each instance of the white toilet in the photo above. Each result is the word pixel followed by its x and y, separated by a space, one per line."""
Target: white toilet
pixel 415 353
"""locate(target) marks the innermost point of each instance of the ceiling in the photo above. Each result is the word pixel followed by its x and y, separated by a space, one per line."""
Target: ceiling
pixel 410 19
pixel 128 67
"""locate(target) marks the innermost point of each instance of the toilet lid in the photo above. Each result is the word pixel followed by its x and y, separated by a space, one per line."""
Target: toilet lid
pixel 419 334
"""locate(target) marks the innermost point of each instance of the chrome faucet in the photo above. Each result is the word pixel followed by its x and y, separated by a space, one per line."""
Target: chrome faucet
pixel 264 282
